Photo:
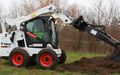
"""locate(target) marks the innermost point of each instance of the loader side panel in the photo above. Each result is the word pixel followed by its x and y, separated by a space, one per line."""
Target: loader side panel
pixel 6 45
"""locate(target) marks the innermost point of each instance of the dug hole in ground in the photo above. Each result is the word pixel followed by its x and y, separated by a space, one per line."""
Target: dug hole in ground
pixel 92 66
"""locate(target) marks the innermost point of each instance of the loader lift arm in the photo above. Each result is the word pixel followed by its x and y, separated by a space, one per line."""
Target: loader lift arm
pixel 52 9
pixel 80 24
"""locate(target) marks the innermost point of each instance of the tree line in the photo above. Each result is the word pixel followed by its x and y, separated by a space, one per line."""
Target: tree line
pixel 70 38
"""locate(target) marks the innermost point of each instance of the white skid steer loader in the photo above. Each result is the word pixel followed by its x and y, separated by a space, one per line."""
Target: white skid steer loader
pixel 34 40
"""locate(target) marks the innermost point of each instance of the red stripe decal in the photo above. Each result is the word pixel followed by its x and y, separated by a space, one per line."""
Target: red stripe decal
pixel 31 35
pixel 3 46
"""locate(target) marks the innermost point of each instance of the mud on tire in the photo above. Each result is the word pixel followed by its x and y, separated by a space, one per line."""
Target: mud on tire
pixel 47 59
pixel 18 58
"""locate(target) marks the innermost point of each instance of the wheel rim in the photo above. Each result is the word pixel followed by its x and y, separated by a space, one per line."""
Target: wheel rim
pixel 60 58
pixel 46 59
pixel 17 59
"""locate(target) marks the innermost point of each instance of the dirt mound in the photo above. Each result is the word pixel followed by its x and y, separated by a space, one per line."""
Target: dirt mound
pixel 92 66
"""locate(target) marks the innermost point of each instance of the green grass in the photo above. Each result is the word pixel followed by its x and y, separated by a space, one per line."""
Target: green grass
pixel 73 56
pixel 5 69
pixel 116 74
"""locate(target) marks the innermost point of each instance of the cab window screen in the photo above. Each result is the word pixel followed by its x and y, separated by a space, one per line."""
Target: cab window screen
pixel 35 25
pixel 39 28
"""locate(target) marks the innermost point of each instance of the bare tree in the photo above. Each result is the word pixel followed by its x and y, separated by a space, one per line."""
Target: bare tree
pixel 99 12
pixel 0 17
pixel 0 11
pixel 14 11
pixel 113 10
pixel 58 3
pixel 89 16
pixel 74 11
pixel 31 5
pixel 26 7
pixel 46 2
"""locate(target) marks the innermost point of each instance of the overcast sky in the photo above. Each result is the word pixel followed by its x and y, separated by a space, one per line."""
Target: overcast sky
pixel 6 4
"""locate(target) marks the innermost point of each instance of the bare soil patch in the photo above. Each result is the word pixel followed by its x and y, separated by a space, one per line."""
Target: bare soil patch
pixel 92 66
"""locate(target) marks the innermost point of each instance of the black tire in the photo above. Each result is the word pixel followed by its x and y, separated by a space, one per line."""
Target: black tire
pixel 62 58
pixel 32 61
pixel 47 59
pixel 18 58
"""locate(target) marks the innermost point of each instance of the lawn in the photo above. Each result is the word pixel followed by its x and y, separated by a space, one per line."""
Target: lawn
pixel 5 69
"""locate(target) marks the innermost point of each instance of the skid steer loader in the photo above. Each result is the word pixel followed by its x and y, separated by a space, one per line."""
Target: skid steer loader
pixel 35 38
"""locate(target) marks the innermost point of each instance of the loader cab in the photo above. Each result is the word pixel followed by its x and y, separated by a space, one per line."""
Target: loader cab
pixel 39 32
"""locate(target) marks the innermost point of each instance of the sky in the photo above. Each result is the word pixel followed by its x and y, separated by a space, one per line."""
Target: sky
pixel 6 4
